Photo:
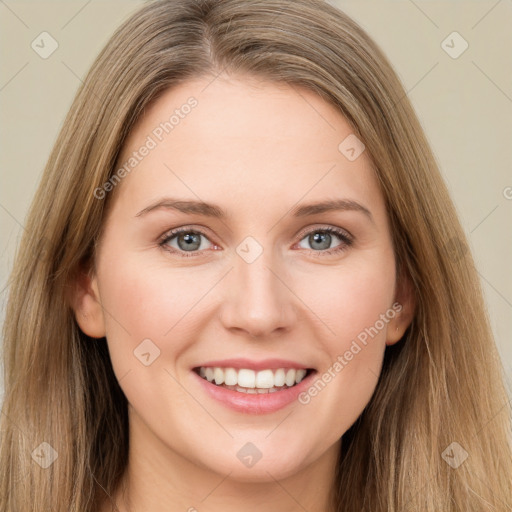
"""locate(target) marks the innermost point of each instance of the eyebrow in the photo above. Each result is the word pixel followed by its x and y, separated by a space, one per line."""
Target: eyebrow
pixel 212 210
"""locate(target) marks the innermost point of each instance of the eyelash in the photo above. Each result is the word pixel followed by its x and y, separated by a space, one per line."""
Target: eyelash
pixel 343 235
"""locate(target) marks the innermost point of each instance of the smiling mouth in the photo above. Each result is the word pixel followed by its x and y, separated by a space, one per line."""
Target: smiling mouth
pixel 245 380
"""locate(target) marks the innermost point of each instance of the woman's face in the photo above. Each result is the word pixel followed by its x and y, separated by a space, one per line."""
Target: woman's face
pixel 253 282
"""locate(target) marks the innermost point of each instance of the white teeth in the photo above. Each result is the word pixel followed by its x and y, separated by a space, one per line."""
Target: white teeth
pixel 265 379
pixel 290 377
pixel 250 381
pixel 209 374
pixel 247 378
pixel 218 375
pixel 300 375
pixel 230 377
pixel 279 377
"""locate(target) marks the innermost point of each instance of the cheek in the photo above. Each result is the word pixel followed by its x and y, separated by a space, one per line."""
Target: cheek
pixel 356 305
pixel 153 316
pixel 360 306
pixel 351 299
pixel 142 302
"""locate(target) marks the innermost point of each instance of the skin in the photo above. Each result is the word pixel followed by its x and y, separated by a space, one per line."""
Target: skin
pixel 257 150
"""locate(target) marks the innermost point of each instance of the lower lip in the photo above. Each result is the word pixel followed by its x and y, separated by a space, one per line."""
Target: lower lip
pixel 260 403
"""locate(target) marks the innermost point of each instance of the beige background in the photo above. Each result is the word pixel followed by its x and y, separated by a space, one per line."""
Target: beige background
pixel 464 104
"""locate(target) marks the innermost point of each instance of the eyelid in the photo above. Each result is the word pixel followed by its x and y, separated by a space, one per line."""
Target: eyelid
pixel 346 238
pixel 323 227
pixel 196 228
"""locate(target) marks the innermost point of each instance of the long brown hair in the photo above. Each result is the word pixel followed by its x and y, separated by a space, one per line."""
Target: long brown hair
pixel 442 384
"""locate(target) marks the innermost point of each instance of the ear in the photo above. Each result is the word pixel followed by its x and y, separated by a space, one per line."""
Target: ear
pixel 404 306
pixel 86 303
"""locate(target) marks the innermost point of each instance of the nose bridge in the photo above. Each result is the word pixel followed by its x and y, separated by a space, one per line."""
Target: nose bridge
pixel 257 301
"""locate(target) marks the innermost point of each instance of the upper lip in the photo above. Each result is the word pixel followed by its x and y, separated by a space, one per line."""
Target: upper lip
pixel 264 364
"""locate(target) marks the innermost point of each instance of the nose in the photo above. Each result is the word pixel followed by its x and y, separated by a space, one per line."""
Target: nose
pixel 258 300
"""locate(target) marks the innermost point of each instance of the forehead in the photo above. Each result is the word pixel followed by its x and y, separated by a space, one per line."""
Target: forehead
pixel 242 140
pixel 247 111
